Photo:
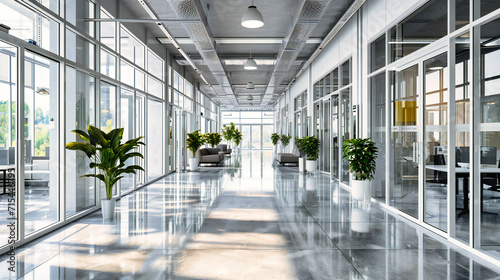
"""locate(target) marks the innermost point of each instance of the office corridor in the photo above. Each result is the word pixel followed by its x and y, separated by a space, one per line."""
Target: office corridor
pixel 248 219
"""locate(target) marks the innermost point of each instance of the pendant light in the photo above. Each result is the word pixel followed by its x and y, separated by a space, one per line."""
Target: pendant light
pixel 250 85
pixel 250 98
pixel 252 18
pixel 250 64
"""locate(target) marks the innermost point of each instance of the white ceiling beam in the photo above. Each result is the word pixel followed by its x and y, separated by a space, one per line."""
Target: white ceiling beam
pixel 239 41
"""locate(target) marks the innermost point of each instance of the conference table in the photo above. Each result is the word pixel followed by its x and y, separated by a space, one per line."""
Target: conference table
pixel 464 173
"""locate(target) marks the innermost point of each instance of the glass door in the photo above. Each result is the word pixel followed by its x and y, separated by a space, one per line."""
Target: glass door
pixel 127 123
pixel 335 136
pixel 180 139
pixel 41 142
pixel 8 136
pixel 346 130
pixel 436 141
pixel 325 136
pixel 140 118
pixel 405 158
pixel 256 137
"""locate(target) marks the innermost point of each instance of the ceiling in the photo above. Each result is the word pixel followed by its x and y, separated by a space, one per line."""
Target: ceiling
pixel 210 34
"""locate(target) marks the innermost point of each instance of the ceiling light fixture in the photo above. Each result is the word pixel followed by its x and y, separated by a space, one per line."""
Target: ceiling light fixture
pixel 250 64
pixel 250 98
pixel 42 91
pixel 250 85
pixel 252 18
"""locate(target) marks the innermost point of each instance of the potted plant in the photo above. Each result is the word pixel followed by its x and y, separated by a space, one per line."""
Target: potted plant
pixel 237 138
pixel 361 154
pixel 194 142
pixel 299 144
pixel 285 140
pixel 310 146
pixel 228 133
pixel 212 138
pixel 275 138
pixel 108 154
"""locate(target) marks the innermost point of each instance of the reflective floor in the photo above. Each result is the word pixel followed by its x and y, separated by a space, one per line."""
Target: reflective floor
pixel 247 219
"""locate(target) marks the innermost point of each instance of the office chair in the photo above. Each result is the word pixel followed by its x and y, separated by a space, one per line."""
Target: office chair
pixel 440 177
pixel 491 179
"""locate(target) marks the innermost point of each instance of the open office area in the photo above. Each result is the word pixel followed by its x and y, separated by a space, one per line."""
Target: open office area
pixel 165 139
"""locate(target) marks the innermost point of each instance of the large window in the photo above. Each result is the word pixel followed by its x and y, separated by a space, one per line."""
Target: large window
pixel 80 95
pixel 29 25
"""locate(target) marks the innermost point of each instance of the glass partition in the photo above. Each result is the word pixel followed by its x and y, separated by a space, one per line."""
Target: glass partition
pixel 80 95
pixel 378 132
pixel 404 141
pixel 488 151
pixel 436 141
pixel 41 143
pixel 127 123
pixel 8 130
pixel 154 139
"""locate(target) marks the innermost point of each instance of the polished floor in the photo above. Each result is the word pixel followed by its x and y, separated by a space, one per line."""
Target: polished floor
pixel 247 219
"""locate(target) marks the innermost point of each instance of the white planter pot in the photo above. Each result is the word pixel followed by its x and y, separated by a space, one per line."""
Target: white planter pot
pixel 193 163
pixel 302 164
pixel 108 208
pixel 361 190
pixel 311 166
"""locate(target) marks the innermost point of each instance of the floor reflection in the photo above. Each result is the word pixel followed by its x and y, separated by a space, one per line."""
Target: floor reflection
pixel 245 219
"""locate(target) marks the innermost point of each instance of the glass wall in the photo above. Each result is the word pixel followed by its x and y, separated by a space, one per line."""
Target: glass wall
pixel 486 154
pixel 127 122
pixel 155 139
pixel 41 142
pixel 135 102
pixel 80 94
pixel 8 130
pixel 378 132
pixel 256 127
pixel 436 141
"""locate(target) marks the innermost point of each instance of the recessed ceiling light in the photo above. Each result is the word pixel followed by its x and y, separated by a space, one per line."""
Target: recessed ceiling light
pixel 252 18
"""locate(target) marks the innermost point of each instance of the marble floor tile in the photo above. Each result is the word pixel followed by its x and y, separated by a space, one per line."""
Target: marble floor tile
pixel 245 219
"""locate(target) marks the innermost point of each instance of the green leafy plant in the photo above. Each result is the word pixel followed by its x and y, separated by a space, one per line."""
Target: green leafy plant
pixel 228 131
pixel 275 138
pixel 310 146
pixel 212 138
pixel 194 141
pixel 299 143
pixel 361 154
pixel 237 137
pixel 107 154
pixel 285 139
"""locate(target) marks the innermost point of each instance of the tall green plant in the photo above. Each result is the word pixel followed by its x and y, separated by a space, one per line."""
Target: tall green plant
pixel 275 138
pixel 361 154
pixel 285 140
pixel 237 137
pixel 194 141
pixel 107 154
pixel 228 131
pixel 212 138
pixel 310 146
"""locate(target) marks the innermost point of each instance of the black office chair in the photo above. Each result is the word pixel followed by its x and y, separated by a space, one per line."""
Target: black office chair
pixel 440 177
pixel 492 180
